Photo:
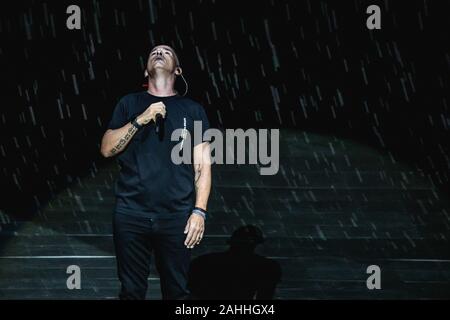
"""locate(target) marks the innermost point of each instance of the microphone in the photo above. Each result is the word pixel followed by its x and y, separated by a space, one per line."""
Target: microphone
pixel 159 125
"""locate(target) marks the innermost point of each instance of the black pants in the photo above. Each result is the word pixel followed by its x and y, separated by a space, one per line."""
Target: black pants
pixel 135 238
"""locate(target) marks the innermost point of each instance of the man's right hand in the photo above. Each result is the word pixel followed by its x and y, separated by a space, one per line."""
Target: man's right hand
pixel 150 113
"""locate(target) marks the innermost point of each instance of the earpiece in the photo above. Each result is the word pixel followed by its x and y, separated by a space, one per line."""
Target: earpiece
pixel 179 72
pixel 186 84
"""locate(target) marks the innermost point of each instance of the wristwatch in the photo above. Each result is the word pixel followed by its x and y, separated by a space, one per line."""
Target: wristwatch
pixel 136 124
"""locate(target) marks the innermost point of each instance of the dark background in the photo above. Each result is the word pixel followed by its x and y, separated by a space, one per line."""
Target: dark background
pixel 270 64
pixel 364 149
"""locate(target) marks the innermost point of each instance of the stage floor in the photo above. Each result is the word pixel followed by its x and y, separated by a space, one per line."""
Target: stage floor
pixel 334 208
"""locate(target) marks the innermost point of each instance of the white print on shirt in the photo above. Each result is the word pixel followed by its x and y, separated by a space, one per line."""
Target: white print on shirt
pixel 183 134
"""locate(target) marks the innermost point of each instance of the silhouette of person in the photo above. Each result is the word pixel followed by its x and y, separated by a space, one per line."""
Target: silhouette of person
pixel 238 273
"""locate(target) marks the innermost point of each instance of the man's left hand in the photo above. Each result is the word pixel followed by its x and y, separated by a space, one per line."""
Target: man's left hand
pixel 194 229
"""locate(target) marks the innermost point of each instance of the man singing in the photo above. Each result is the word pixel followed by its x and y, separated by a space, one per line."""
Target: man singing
pixel 160 206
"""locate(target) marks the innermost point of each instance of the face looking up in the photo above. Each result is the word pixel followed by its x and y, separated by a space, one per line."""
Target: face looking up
pixel 162 57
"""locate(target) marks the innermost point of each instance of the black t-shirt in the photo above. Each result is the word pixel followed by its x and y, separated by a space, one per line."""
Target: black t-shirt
pixel 149 182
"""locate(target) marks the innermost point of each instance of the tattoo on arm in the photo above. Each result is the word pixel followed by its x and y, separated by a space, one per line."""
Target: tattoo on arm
pixel 123 141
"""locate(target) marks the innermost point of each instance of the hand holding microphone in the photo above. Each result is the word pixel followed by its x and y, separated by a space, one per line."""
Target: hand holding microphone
pixel 151 113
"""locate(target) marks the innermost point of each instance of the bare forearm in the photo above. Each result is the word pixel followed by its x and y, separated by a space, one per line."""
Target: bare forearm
pixel 202 185
pixel 114 141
